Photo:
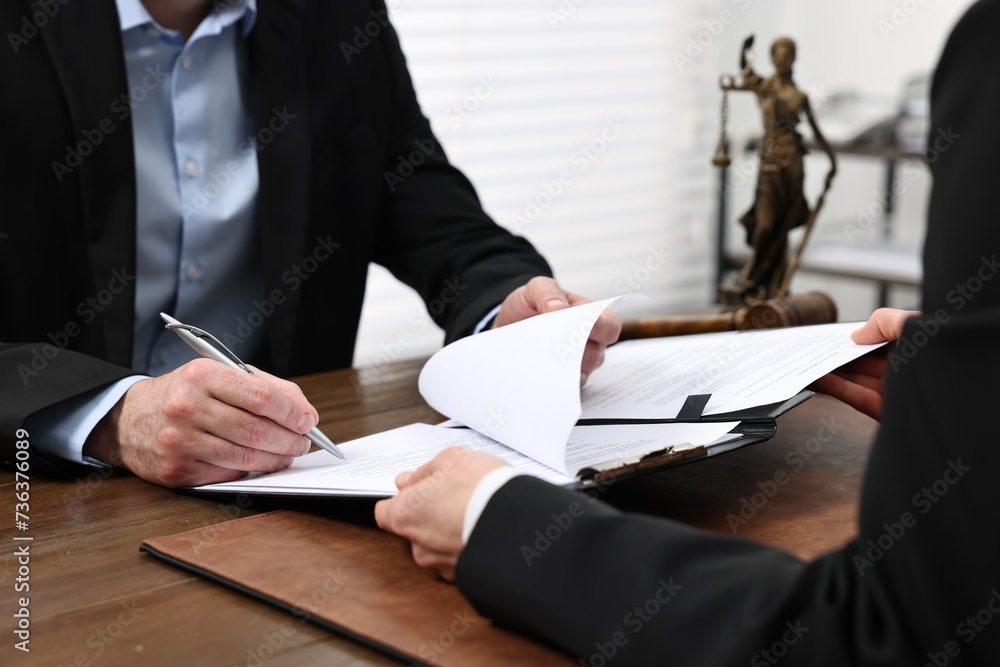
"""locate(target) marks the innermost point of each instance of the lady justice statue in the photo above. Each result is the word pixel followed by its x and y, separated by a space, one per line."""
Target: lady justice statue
pixel 780 205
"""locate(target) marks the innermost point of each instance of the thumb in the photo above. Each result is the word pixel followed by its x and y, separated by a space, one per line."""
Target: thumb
pixel 545 295
pixel 885 324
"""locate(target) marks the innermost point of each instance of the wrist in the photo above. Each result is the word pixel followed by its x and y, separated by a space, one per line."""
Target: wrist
pixel 103 443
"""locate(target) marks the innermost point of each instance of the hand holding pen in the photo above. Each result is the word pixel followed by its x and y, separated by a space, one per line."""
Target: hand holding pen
pixel 203 423
pixel 211 347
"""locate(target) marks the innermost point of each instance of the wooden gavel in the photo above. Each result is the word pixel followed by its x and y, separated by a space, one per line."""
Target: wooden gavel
pixel 788 311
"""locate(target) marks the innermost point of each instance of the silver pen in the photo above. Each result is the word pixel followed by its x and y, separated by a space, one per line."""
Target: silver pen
pixel 211 347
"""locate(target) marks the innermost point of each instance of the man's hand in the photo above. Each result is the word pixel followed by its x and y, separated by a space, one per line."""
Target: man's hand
pixel 204 423
pixel 543 295
pixel 861 382
pixel 430 508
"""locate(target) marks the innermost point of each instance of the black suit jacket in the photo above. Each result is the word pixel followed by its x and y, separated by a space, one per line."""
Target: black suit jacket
pixel 928 592
pixel 333 173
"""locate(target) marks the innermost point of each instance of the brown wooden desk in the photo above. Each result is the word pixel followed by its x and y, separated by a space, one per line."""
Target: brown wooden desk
pixel 95 600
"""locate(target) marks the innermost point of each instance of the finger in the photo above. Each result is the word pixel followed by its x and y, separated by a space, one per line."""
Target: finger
pixel 174 472
pixel 399 515
pixel 223 453
pixel 408 479
pixel 593 357
pixel 431 558
pixel 544 295
pixel 885 324
pixel 862 380
pixel 384 514
pixel 289 389
pixel 607 329
pixel 191 412
pixel 403 479
pixel 253 394
pixel 858 397
pixel 248 430
pixel 873 364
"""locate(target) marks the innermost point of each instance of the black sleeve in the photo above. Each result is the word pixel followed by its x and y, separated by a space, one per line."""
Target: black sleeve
pixel 37 376
pixel 921 583
pixel 434 234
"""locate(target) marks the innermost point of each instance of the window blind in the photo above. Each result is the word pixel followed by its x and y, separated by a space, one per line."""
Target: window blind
pixel 581 129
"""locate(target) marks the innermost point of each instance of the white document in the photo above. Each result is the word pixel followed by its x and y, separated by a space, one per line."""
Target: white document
pixel 519 384
pixel 374 462
pixel 650 379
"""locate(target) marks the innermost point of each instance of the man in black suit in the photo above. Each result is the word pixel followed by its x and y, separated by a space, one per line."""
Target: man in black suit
pixel 929 594
pixel 124 169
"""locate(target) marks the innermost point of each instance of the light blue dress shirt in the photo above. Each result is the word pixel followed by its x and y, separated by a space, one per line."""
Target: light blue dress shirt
pixel 197 251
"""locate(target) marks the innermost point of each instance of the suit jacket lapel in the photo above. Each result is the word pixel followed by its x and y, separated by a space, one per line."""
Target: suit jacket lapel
pixel 277 66
pixel 81 39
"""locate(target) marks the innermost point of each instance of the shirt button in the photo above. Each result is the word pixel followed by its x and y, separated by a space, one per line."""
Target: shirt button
pixel 191 168
pixel 192 271
pixel 186 62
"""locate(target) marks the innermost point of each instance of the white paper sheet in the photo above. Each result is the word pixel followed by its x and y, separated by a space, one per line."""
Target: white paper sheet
pixel 650 379
pixel 519 384
pixel 375 461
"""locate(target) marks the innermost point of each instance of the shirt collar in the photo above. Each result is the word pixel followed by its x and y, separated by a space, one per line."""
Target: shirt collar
pixel 132 13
